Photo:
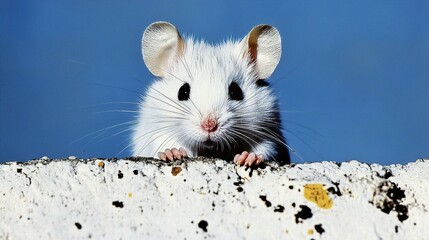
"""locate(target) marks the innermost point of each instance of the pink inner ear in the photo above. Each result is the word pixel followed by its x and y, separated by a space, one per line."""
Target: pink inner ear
pixel 253 41
pixel 253 49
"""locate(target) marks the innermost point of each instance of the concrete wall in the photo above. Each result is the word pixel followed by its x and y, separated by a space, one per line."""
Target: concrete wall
pixel 205 198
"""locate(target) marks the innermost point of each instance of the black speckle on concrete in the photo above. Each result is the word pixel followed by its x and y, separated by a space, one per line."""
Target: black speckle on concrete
pixel 238 183
pixel 293 204
pixel 319 228
pixel 203 225
pixel 279 208
pixel 239 189
pixel 392 201
pixel 118 204
pixel 78 225
pixel 396 229
pixel 291 187
pixel 19 170
pixel 264 198
pixel 387 174
pixel 262 165
pixel 136 172
pixel 305 213
pixel 251 170
pixel 120 174
pixel 395 192
pixel 402 212
pixel 335 190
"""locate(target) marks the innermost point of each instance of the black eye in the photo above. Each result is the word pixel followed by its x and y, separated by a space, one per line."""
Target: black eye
pixel 184 91
pixel 235 92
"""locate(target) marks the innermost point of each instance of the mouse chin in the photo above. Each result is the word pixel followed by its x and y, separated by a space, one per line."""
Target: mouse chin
pixel 207 148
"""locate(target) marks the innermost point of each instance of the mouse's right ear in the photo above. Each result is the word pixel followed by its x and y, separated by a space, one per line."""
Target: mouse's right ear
pixel 162 45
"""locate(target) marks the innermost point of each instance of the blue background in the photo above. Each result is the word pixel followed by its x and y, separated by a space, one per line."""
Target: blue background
pixel 355 74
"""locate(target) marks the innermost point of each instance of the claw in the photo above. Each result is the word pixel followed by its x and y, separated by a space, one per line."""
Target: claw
pixel 183 152
pixel 248 159
pixel 176 153
pixel 242 158
pixel 169 154
pixel 162 156
pixel 172 154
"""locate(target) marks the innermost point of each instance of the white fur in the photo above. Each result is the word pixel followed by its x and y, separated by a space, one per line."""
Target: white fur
pixel 165 122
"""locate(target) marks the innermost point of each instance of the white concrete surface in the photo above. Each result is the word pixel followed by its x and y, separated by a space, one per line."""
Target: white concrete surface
pixel 212 199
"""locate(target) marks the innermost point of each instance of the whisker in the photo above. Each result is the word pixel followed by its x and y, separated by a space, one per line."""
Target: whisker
pixel 267 132
pixel 304 127
pixel 103 130
pixel 167 139
pixel 169 73
pixel 185 65
pixel 169 104
pixel 183 107
pixel 122 111
pixel 165 110
pixel 153 133
pixel 113 135
pixel 116 87
pixel 195 106
pixel 111 103
pixel 306 144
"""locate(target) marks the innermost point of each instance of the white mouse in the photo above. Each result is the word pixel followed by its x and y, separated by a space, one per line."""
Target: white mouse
pixel 210 100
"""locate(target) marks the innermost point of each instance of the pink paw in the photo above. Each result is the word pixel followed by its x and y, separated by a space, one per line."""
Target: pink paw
pixel 248 159
pixel 172 154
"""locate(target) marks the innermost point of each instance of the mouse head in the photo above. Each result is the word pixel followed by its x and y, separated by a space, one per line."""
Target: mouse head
pixel 218 94
pixel 163 46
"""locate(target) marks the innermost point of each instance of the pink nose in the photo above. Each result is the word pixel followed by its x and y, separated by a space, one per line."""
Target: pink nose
pixel 209 124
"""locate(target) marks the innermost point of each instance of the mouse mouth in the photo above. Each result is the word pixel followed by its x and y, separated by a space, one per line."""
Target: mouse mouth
pixel 209 142
pixel 207 148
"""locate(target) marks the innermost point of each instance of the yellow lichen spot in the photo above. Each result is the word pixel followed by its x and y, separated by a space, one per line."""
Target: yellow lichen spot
pixel 176 170
pixel 130 194
pixel 317 194
pixel 310 231
pixel 101 164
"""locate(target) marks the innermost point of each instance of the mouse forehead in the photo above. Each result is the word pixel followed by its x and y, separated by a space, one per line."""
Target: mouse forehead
pixel 208 65
pixel 209 70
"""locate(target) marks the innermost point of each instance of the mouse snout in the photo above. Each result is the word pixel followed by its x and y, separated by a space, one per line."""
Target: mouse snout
pixel 209 124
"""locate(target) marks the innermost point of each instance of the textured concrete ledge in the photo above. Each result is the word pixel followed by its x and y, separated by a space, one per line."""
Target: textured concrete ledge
pixel 206 198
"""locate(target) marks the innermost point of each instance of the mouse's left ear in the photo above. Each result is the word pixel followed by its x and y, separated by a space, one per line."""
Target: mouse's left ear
pixel 263 44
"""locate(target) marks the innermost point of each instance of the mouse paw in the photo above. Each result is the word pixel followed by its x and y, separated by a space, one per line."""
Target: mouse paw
pixel 172 154
pixel 248 159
